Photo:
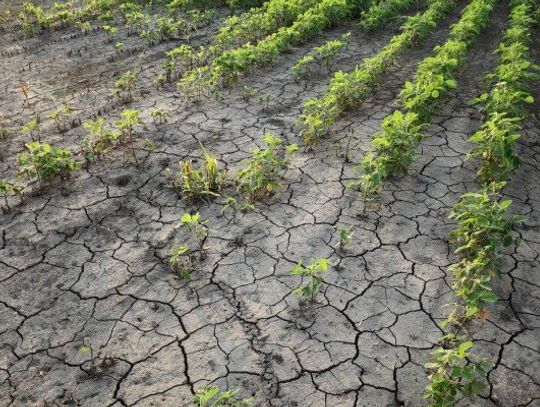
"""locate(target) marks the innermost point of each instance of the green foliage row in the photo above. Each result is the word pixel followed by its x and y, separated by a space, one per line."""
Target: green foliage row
pixel 504 102
pixel 348 90
pixel 484 224
pixel 232 63
pixel 237 30
pixel 393 149
pixel 380 13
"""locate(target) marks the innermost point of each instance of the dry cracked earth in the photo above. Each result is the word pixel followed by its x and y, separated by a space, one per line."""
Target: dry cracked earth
pixel 84 262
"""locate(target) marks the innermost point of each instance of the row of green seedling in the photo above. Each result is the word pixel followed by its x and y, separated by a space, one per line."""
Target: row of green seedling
pixel 393 149
pixel 349 90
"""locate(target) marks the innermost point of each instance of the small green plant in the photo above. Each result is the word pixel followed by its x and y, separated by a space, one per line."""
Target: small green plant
pixel 123 87
pixel 210 396
pixel 345 237
pixel 181 260
pixel 160 115
pixel 232 203
pixel 111 31
pixel 44 162
pixel 453 375
pixel 263 170
pixel 8 188
pixel 195 184
pixel 33 129
pixel 129 119
pixel 98 140
pixel 60 116
pixel 313 273
pixel 196 227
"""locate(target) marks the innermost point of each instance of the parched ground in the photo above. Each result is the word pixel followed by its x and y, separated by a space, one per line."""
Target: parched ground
pixel 85 262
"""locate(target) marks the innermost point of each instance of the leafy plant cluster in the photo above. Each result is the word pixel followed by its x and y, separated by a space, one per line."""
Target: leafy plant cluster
pixel 322 55
pixel 100 139
pixel 211 396
pixel 42 162
pixel 348 90
pixel 393 149
pixel 504 102
pixel 455 373
pixel 263 169
pixel 380 13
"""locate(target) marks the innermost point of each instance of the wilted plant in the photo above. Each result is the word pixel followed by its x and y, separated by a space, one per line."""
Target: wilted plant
pixel 263 170
pixel 196 227
pixel 313 273
pixel 204 183
pixel 45 162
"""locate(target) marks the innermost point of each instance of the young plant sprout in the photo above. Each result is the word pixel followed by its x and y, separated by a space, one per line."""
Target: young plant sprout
pixel 210 396
pixel 123 87
pixel 313 273
pixel 160 115
pixel 7 188
pixel 33 129
pixel 129 118
pixel 60 115
pixel 181 260
pixel 345 237
pixel 196 227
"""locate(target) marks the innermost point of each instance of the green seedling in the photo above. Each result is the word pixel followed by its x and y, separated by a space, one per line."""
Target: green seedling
pixel 98 140
pixel 60 116
pixel 454 376
pixel 160 115
pixel 181 261
pixel 210 396
pixel 196 227
pixel 129 119
pixel 123 87
pixel 345 237
pixel 313 273
pixel 33 129
pixel 7 188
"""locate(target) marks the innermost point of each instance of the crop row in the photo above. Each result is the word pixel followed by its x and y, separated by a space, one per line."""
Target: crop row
pixel 237 30
pixel 380 13
pixel 484 224
pixel 348 90
pixel 393 149
pixel 232 63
